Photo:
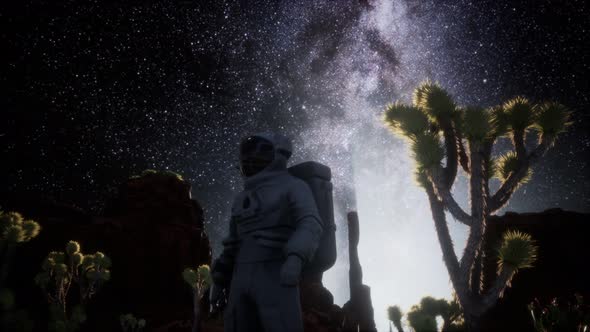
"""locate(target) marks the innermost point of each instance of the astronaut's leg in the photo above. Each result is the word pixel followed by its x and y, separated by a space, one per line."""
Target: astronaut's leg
pixel 279 309
pixel 240 314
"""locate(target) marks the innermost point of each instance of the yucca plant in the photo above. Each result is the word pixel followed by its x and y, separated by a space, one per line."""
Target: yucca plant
pixel 551 119
pixel 394 314
pixel 519 112
pixel 420 320
pixel 507 164
pixel 199 281
pixel 61 270
pixel 422 317
pixel 561 314
pixel 517 251
pixel 440 133
pixel 14 230
pixel 435 101
pixel 129 323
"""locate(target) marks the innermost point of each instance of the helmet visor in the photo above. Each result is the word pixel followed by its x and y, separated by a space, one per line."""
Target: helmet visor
pixel 256 153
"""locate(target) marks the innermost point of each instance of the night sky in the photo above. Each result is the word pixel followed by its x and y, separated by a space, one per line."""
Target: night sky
pixel 93 92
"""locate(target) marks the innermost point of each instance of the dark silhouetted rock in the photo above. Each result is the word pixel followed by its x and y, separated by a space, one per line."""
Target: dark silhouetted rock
pixel 151 230
pixel 319 311
pixel 359 309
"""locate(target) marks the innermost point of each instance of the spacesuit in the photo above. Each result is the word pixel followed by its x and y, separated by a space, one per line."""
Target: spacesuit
pixel 274 230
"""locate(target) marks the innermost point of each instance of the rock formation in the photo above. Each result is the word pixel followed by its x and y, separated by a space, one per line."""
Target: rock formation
pixel 152 230
pixel 359 309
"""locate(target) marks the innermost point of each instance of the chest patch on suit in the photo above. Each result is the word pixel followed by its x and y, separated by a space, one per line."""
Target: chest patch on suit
pixel 246 206
pixel 258 208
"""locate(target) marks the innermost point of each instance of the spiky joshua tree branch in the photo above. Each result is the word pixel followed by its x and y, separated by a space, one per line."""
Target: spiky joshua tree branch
pixel 438 130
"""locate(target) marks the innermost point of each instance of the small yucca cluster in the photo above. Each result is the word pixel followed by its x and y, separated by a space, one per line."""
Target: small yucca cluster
pixel 199 279
pixel 422 317
pixel 72 264
pixel 130 323
pixel 394 314
pixel 62 269
pixel 15 229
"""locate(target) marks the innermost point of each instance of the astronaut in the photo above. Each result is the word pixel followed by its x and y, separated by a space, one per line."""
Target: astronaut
pixel 274 230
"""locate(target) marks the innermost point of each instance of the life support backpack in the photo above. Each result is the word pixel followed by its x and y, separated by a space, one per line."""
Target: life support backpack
pixel 317 177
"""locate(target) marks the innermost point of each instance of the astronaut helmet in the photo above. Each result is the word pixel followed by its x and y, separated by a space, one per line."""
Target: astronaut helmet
pixel 264 151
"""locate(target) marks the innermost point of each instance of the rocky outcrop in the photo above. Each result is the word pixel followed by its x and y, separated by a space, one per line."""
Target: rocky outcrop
pixel 151 229
pixel 561 268
pixel 359 309
pixel 320 312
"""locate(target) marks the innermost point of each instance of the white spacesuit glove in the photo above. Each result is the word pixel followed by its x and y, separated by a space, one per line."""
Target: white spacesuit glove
pixel 291 271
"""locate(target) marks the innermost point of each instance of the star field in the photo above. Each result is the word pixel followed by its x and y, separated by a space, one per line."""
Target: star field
pixel 96 92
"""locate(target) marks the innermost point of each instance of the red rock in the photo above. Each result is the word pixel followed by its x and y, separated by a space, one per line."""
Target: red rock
pixel 152 230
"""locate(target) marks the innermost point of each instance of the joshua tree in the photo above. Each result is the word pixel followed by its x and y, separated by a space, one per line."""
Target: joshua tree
pixel 60 271
pixel 199 281
pixel 130 323
pixel 394 313
pixel 422 317
pixel 420 320
pixel 451 314
pixel 439 130
pixel 13 230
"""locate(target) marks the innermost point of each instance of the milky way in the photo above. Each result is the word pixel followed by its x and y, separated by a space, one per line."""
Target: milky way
pixel 96 92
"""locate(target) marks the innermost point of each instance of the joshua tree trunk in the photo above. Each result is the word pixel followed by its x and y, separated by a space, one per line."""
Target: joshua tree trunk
pixel 196 311
pixel 7 255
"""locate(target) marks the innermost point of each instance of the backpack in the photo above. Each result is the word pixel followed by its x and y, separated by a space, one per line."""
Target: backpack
pixel 317 177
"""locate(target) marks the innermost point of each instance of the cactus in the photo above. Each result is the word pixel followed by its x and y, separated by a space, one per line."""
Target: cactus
pixel 438 131
pixel 61 270
pixel 199 281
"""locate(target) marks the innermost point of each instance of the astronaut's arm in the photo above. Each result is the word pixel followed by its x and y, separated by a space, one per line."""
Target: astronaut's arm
pixel 308 225
pixel 222 268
